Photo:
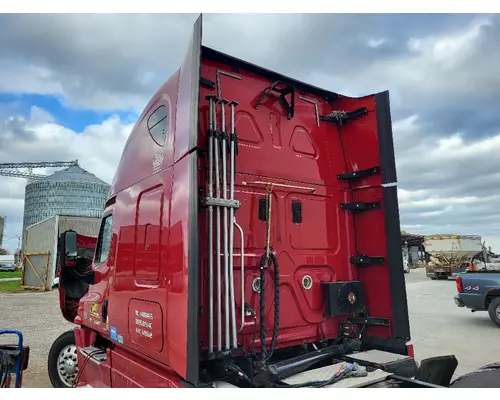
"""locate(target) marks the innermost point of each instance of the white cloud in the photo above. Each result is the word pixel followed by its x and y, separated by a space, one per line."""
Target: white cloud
pixel 442 63
pixel 19 78
pixel 116 62
pixel 453 49
pixel 98 148
pixel 374 43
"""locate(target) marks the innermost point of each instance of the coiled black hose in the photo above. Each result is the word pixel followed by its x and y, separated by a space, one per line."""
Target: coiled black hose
pixel 263 332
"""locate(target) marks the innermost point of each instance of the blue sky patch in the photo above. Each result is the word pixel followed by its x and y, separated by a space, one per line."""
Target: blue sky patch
pixel 72 118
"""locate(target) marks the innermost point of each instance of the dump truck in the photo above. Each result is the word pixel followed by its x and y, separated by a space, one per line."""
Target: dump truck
pixel 251 238
pixel 450 254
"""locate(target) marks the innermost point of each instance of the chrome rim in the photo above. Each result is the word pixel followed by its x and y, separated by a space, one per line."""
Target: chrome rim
pixel 67 365
pixel 498 312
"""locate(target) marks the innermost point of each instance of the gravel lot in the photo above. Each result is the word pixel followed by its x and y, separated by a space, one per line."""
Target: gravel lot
pixel 438 327
pixel 38 317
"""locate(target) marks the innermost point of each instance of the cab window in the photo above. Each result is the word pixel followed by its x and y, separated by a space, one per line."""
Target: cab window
pixel 104 240
pixel 158 124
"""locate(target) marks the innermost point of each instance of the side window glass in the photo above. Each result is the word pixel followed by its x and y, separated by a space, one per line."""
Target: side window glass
pixel 104 241
pixel 157 125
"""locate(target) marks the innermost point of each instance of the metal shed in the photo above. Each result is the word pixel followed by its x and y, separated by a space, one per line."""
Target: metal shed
pixel 40 247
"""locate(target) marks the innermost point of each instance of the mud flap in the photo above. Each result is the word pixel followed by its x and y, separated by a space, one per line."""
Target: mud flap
pixel 437 370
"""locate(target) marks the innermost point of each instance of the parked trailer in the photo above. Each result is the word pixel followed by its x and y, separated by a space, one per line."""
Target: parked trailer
pixel 7 263
pixel 450 254
pixel 7 259
pixel 40 248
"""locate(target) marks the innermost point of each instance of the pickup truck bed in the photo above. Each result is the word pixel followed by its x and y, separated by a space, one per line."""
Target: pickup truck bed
pixel 479 291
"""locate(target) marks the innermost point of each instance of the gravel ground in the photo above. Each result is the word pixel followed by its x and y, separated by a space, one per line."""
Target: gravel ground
pixel 38 317
pixel 438 327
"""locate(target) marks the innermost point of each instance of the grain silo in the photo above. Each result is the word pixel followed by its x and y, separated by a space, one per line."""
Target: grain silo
pixel 72 191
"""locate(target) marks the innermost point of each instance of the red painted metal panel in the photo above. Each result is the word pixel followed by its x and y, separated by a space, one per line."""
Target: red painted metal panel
pixel 146 324
pixel 133 371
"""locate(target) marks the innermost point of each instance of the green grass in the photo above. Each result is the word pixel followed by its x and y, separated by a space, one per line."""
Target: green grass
pixel 10 286
pixel 6 274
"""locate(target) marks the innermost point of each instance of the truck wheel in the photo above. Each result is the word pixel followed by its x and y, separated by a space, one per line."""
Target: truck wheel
pixel 494 311
pixel 63 362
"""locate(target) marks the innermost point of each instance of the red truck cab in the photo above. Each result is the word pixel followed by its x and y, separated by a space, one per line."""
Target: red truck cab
pixel 251 232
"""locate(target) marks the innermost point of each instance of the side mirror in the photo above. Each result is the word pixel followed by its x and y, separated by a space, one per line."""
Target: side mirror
pixel 70 245
pixel 67 247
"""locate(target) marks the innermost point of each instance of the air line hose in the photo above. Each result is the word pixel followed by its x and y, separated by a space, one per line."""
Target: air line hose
pixel 265 263
pixel 266 260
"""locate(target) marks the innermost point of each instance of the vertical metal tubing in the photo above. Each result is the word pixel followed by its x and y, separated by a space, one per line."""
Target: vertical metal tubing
pixel 232 156
pixel 242 271
pixel 225 222
pixel 217 249
pixel 210 231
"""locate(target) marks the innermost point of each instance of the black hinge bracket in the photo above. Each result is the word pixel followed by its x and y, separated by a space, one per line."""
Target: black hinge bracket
pixel 360 206
pixel 288 89
pixel 367 260
pixel 339 117
pixel 351 176
pixel 371 321
pixel 207 83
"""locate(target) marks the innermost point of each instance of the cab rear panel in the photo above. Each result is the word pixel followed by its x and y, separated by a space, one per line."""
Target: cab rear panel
pixel 311 233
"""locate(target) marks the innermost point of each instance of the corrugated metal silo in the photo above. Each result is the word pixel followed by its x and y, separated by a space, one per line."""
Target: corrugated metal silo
pixel 72 191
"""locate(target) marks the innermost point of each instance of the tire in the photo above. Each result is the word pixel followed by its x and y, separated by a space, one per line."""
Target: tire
pixel 63 362
pixel 494 311
pixel 485 377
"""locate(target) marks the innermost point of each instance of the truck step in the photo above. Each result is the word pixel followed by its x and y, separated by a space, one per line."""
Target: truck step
pixel 96 354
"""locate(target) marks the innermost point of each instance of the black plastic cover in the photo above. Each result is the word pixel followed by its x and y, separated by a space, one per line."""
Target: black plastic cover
pixel 343 298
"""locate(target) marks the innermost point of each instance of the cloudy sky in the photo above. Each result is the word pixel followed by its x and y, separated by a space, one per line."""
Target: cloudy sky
pixel 72 84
